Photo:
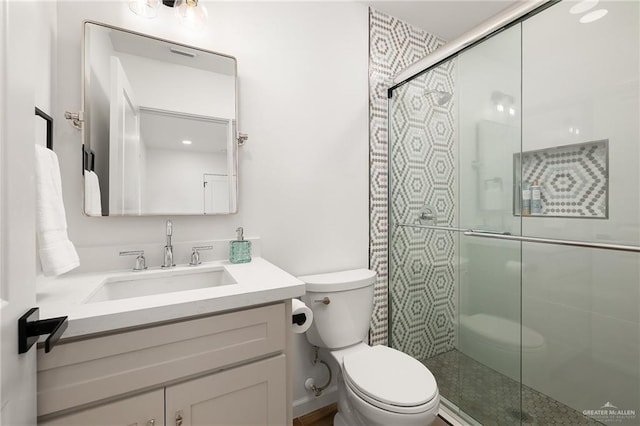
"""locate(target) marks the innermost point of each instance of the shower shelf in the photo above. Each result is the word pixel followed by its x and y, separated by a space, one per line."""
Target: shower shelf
pixel 574 179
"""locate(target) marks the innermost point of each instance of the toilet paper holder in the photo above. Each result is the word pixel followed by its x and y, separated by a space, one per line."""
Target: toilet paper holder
pixel 298 319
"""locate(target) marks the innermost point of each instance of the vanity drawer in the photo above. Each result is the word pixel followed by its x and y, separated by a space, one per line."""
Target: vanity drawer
pixel 87 371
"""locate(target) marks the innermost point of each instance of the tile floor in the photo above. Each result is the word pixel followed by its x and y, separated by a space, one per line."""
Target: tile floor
pixel 494 399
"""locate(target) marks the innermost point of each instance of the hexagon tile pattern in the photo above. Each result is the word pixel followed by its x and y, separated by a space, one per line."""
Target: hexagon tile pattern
pixel 422 171
pixel 574 179
pixel 419 295
pixel 393 46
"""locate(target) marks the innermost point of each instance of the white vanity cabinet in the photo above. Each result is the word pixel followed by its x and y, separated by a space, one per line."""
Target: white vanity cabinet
pixel 222 369
pixel 141 410
pixel 248 395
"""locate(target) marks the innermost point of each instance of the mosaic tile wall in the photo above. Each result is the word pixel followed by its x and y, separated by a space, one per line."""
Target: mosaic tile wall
pixel 422 172
pixel 574 179
pixel 424 279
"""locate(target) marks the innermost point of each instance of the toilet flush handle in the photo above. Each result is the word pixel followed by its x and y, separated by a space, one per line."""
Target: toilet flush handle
pixel 324 301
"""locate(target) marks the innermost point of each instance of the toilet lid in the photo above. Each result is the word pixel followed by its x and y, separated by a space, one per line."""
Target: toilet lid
pixel 390 377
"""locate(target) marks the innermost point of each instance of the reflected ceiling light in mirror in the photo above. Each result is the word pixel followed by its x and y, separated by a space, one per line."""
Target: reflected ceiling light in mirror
pixel 186 142
pixel 145 8
pixel 583 6
pixel 190 14
pixel 593 16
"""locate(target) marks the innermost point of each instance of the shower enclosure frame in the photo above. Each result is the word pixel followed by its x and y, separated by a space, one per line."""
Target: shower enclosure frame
pixel 511 17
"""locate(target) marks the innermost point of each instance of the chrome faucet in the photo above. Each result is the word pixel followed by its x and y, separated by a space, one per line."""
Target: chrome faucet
pixel 140 260
pixel 168 249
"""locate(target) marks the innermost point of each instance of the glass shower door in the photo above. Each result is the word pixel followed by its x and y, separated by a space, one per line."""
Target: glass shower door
pixel 581 142
pixel 489 282
pixel 455 300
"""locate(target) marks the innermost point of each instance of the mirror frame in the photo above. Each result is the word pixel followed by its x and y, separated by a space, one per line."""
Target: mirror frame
pixel 239 137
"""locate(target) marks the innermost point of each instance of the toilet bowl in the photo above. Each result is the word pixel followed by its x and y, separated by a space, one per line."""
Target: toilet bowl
pixel 377 386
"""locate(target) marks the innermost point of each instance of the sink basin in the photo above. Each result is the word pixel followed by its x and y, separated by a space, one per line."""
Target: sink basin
pixel 148 283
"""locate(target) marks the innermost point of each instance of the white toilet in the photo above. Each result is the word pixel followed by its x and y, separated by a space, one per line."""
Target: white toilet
pixel 377 386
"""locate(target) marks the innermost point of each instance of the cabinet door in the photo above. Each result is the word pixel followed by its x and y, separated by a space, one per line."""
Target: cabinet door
pixel 142 410
pixel 253 394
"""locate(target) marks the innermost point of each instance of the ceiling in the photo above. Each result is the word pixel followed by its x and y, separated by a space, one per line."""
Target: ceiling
pixel 167 130
pixel 446 19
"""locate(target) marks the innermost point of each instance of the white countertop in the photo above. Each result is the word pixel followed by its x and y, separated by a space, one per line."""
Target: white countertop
pixel 258 282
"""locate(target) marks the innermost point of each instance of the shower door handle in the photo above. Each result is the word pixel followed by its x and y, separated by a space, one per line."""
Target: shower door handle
pixel 499 235
pixel 553 241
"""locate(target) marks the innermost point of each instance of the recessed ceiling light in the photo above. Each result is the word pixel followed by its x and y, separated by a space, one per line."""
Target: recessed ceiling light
pixel 583 6
pixel 187 142
pixel 593 16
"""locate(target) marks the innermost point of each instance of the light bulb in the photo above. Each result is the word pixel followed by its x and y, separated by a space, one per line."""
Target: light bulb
pixel 145 8
pixel 191 14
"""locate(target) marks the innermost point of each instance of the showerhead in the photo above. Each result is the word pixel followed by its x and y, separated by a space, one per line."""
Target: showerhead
pixel 441 97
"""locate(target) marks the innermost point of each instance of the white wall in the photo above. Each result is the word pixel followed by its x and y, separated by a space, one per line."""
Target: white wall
pixel 174 179
pixel 303 98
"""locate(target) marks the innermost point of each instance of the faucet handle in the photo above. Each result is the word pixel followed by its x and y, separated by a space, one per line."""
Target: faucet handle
pixel 140 260
pixel 195 254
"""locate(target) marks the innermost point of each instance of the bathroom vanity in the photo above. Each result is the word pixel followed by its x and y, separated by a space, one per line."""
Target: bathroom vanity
pixel 199 356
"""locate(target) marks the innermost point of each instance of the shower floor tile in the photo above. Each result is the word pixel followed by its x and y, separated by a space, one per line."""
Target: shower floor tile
pixel 494 399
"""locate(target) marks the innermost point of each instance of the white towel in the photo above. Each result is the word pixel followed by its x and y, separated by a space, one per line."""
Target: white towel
pixel 57 253
pixel 92 203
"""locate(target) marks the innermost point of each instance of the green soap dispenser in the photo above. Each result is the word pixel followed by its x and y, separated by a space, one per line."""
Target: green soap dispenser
pixel 240 249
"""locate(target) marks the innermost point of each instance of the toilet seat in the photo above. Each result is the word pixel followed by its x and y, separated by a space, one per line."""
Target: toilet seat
pixel 390 380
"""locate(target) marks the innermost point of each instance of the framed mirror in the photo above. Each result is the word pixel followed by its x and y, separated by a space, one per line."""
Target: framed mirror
pixel 160 126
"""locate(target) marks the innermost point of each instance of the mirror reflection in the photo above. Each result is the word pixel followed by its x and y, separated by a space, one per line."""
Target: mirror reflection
pixel 160 127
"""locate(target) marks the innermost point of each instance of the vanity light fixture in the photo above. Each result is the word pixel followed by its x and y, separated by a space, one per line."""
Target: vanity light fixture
pixel 189 13
pixel 145 8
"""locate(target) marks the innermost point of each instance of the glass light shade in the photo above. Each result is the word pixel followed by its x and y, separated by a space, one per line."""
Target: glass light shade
pixel 191 14
pixel 145 8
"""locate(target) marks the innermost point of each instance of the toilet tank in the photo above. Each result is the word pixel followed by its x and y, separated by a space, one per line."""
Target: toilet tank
pixel 344 320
